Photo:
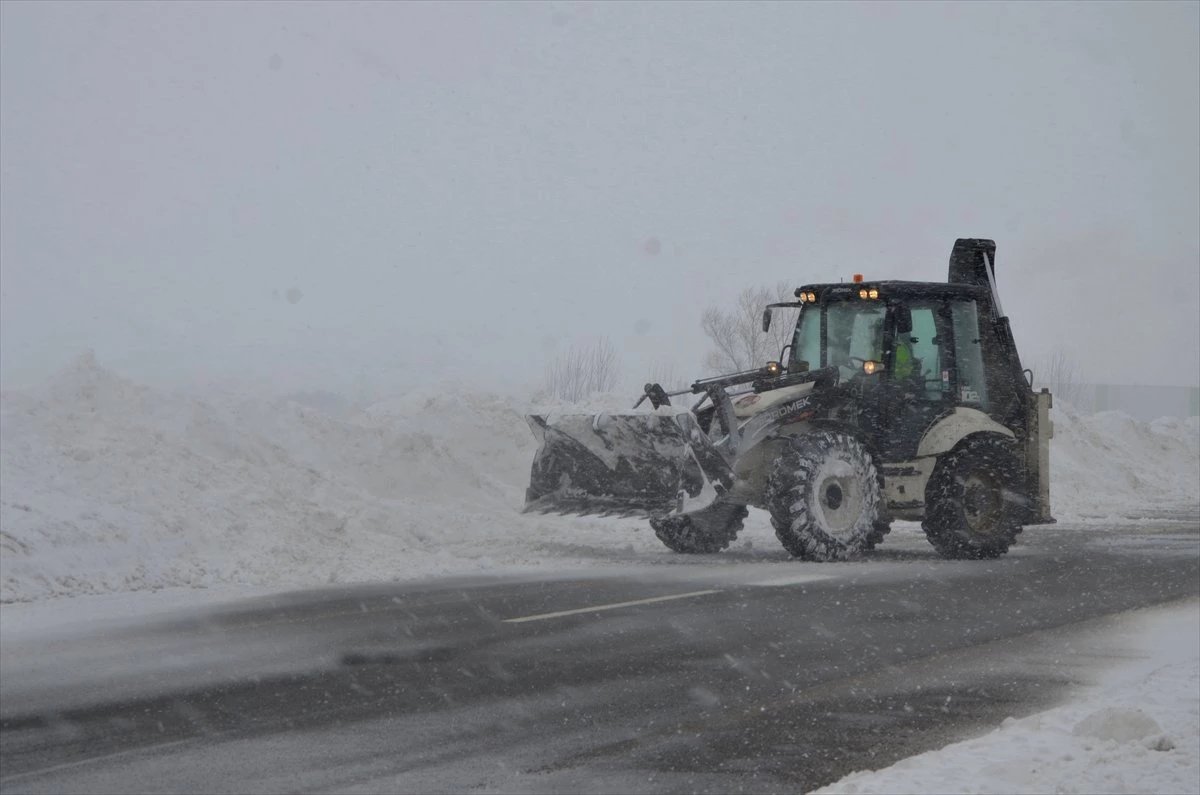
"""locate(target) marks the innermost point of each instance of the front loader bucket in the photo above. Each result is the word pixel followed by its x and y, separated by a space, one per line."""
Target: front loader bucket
pixel 624 464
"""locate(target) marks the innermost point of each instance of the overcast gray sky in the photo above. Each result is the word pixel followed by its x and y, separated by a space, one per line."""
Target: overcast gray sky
pixel 344 195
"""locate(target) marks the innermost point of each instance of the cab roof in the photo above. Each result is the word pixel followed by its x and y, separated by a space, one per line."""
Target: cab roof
pixel 891 288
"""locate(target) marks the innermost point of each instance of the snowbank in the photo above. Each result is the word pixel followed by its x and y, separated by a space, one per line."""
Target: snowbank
pixel 1137 730
pixel 109 486
pixel 1110 464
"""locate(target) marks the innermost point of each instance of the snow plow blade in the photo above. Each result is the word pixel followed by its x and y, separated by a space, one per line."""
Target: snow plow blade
pixel 623 464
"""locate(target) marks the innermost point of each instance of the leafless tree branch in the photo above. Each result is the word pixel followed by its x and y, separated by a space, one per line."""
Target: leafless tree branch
pixel 1059 373
pixel 738 341
pixel 665 373
pixel 582 371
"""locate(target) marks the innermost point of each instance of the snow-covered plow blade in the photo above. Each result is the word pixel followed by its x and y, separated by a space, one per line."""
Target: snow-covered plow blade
pixel 623 464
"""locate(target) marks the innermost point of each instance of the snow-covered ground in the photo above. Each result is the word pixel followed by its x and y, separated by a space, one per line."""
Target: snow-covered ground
pixel 1136 731
pixel 109 486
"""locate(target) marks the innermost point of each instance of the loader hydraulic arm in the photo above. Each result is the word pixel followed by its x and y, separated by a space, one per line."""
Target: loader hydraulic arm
pixel 710 386
pixel 824 376
pixel 763 379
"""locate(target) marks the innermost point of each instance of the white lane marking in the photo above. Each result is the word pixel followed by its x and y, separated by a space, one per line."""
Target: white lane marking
pixel 91 760
pixel 613 606
pixel 796 579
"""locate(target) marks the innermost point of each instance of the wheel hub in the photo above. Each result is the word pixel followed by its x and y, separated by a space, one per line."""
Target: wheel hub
pixel 833 496
pixel 839 499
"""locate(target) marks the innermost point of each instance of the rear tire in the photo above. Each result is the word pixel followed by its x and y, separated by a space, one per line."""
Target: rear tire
pixel 703 532
pixel 973 503
pixel 824 497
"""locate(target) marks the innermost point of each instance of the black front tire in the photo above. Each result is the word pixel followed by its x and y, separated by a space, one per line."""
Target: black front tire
pixel 973 501
pixel 824 496
pixel 703 532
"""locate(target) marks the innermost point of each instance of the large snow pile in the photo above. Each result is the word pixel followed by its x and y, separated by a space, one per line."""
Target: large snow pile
pixel 1110 464
pixel 108 486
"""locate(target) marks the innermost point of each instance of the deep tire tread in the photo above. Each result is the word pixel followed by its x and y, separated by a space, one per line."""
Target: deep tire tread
pixel 789 497
pixel 945 524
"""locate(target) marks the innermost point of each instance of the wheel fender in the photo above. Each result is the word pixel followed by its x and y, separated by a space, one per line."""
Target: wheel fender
pixel 774 445
pixel 945 434
pixel 754 404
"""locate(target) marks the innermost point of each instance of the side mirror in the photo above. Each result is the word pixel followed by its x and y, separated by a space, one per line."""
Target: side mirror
pixel 903 319
pixel 766 319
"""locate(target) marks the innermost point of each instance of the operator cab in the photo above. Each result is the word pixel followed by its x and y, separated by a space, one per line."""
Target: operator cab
pixel 913 349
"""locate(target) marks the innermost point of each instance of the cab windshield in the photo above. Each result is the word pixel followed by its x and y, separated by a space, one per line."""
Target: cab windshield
pixel 852 332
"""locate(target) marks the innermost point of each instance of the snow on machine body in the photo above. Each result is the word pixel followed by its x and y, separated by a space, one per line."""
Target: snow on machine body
pixel 894 400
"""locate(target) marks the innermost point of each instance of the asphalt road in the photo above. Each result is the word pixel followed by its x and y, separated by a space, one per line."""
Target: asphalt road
pixel 749 677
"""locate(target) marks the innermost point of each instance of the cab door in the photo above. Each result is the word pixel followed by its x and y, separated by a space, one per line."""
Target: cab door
pixel 969 373
pixel 919 393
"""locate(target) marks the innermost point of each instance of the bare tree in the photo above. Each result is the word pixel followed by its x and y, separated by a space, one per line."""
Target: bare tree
pixel 582 371
pixel 1057 372
pixel 664 372
pixel 738 341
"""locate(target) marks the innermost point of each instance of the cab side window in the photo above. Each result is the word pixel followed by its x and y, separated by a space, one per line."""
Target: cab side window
pixel 806 344
pixel 924 344
pixel 968 355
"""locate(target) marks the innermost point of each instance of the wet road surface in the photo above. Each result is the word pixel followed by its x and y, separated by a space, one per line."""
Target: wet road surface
pixel 708 679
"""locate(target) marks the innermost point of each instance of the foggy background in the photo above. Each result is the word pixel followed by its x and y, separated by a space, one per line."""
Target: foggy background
pixel 366 197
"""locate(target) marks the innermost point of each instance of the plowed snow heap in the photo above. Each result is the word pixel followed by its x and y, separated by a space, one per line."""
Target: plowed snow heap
pixel 894 399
